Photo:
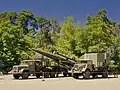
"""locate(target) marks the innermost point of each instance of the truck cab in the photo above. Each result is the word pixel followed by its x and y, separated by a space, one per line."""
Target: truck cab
pixel 26 68
pixel 81 67
pixel 93 65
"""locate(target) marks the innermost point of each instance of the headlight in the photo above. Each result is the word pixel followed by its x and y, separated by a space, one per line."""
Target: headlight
pixel 75 69
pixel 83 69
pixel 21 70
pixel 15 70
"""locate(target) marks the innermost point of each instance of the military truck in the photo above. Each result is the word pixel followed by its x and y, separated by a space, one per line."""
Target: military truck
pixel 35 68
pixel 93 64
pixel 26 68
pixel 40 65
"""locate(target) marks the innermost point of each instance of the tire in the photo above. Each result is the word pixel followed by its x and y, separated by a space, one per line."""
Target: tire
pixel 57 75
pixel 75 75
pixel 94 76
pixel 37 75
pixel 16 76
pixel 70 74
pixel 1 73
pixel 115 73
pixel 25 75
pixel 46 75
pixel 65 74
pixel 105 73
pixel 52 75
pixel 86 74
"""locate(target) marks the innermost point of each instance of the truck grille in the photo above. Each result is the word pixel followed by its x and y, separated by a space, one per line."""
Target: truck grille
pixel 15 69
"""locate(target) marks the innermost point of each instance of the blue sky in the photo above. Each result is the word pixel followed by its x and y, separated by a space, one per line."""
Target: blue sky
pixel 60 9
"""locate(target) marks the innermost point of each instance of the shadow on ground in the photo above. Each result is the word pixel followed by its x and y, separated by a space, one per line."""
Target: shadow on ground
pixel 96 78
pixel 64 77
pixel 1 78
pixel 39 78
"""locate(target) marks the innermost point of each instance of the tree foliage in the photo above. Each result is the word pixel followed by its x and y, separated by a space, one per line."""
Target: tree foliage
pixel 67 41
pixel 20 31
pixel 47 34
pixel 13 42
pixel 100 33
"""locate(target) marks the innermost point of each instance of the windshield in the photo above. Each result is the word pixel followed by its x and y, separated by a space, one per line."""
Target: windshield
pixel 27 62
pixel 76 66
pixel 15 67
pixel 84 61
pixel 21 67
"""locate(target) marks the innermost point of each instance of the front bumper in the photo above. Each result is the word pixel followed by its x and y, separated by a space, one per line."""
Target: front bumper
pixel 69 71
pixel 17 73
pixel 76 71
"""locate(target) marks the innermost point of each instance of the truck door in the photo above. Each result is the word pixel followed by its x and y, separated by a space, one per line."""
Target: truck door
pixel 31 66
pixel 38 66
pixel 90 65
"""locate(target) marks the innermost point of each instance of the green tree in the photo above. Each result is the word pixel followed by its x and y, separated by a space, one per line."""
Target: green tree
pixel 48 33
pixel 99 33
pixel 13 43
pixel 27 21
pixel 66 43
pixel 82 42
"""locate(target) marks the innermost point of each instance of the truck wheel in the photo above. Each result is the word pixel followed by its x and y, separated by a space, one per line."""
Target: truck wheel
pixel 25 75
pixel 70 74
pixel 16 76
pixel 65 74
pixel 105 74
pixel 57 74
pixel 75 75
pixel 46 75
pixel 52 75
pixel 94 76
pixel 86 74
pixel 38 75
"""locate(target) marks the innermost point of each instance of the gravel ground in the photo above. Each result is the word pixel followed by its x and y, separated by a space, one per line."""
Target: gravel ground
pixel 64 83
